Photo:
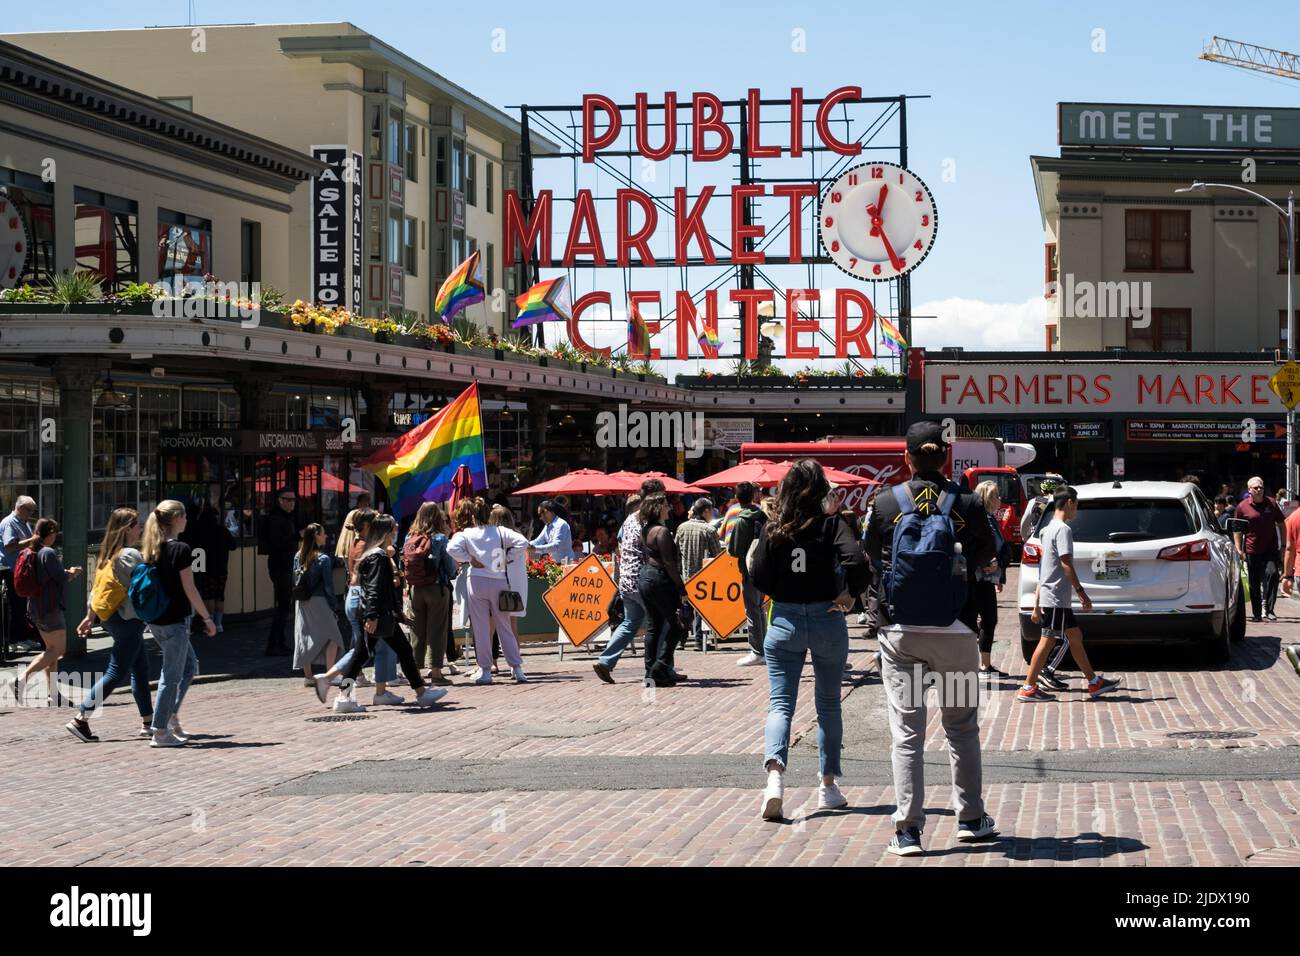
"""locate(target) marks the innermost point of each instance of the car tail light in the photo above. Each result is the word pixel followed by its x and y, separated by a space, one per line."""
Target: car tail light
pixel 1187 551
pixel 1031 554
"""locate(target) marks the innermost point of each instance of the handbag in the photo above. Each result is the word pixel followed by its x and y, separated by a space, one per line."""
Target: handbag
pixel 615 611
pixel 510 602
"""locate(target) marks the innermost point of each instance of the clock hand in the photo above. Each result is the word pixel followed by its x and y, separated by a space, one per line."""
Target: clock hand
pixel 880 200
pixel 878 229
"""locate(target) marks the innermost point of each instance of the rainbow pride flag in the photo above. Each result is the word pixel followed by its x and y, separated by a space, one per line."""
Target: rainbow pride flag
pixel 420 465
pixel 709 339
pixel 463 287
pixel 548 301
pixel 894 340
pixel 638 336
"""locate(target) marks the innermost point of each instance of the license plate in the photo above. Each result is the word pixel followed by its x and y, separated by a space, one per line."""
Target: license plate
pixel 1113 571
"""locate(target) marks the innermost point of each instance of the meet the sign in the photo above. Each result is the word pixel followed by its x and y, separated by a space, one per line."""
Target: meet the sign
pixel 1188 127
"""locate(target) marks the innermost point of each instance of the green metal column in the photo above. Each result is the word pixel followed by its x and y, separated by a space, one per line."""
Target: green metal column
pixel 77 379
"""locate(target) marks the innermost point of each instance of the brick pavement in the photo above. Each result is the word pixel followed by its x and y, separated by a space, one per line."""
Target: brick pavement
pixel 211 803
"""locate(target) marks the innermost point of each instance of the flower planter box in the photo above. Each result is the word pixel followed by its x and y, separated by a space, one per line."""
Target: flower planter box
pixel 537 624
pixel 356 332
pixel 413 341
pixel 51 308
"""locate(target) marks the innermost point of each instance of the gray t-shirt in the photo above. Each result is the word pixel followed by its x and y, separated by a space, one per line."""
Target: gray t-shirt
pixel 1058 541
pixel 123 565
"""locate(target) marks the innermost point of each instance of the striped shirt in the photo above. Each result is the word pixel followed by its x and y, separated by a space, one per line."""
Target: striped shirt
pixel 728 520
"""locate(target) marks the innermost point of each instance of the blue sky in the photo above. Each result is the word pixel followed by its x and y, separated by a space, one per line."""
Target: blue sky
pixel 994 72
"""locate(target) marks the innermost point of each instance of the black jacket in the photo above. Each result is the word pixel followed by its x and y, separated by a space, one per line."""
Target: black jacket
pixel 279 539
pixel 829 547
pixel 379 598
pixel 969 520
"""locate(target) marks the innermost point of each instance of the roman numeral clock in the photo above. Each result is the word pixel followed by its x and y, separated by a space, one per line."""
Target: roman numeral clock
pixel 877 221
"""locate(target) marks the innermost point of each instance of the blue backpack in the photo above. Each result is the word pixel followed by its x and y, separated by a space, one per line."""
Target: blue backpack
pixel 926 583
pixel 148 598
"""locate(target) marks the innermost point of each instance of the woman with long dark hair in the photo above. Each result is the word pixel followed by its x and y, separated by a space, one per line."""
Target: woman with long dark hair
pixel 117 559
pixel 662 591
pixel 429 572
pixel 380 609
pixel 810 564
pixel 315 620
pixel 46 608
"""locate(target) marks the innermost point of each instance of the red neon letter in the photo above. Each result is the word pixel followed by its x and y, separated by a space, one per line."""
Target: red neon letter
pixel 590 299
pixel 538 226
pixel 757 149
pixel 643 127
pixel 638 240
pixel 823 120
pixel 795 325
pixel 797 192
pixel 749 300
pixel 796 121
pixel 701 123
pixel 739 231
pixel 590 141
pixel 858 336
pixel 584 214
pixel 686 316
pixel 688 224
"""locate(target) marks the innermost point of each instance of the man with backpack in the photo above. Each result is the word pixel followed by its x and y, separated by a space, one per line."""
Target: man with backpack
pixel 931 537
pixel 746 527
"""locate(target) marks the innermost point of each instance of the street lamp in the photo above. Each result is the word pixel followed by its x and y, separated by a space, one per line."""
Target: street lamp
pixel 1288 220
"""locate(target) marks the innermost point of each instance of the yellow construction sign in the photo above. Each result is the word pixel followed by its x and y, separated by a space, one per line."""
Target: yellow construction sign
pixel 1285 384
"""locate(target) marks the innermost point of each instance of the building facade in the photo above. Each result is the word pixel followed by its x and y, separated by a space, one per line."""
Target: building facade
pixel 1130 263
pixel 417 164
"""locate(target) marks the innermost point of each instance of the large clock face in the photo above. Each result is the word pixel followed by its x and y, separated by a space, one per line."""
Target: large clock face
pixel 877 221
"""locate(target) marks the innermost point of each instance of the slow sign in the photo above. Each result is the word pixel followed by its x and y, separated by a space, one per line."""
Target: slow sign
pixel 714 592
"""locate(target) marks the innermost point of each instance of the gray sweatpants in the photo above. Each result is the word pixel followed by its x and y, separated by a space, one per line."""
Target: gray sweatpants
pixel 910 662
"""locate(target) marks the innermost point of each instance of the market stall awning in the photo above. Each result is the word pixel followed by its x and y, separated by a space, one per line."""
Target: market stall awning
pixel 584 481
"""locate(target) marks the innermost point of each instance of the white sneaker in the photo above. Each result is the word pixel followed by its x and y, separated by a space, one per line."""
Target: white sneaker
pixel 398 681
pixel 773 794
pixel 177 730
pixel 520 676
pixel 830 798
pixel 165 738
pixel 364 681
pixel 322 687
pixel 346 705
pixel 450 669
pixel 221 629
pixel 388 697
pixel 749 660
pixel 484 678
pixel 862 618
pixel 430 696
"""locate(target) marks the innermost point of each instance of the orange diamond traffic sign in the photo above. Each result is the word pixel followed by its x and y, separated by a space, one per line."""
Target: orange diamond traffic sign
pixel 579 601
pixel 715 592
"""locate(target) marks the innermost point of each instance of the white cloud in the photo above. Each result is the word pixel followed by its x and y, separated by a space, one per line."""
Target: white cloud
pixel 980 326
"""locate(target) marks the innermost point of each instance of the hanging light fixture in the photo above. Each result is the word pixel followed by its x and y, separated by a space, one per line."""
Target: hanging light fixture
pixel 110 399
pixel 506 413
pixel 568 419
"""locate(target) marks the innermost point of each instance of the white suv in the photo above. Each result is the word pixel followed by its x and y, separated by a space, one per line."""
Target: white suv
pixel 1155 563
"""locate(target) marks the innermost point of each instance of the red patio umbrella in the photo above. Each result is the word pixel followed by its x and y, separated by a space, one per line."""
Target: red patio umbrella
pixel 584 481
pixel 672 485
pixel 462 486
pixel 765 474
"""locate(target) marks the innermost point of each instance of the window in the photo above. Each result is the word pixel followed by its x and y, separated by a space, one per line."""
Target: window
pixel 1052 269
pixel 440 161
pixel 1281 242
pixel 106 234
pixel 1170 330
pixel 412 161
pixel 457 167
pixel 395 240
pixel 458 254
pixel 184 246
pixel 29 466
pixel 1281 326
pixel 471 178
pixel 395 126
pixel 491 264
pixel 33 200
pixel 488 179
pixel 250 251
pixel 375 235
pixel 180 102
pixel 1158 240
pixel 410 246
pixel 375 137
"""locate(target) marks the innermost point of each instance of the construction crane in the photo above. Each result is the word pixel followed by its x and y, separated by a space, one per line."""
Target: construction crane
pixel 1247 56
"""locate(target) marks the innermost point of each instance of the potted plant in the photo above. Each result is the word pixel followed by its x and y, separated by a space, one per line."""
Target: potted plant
pixel 543 572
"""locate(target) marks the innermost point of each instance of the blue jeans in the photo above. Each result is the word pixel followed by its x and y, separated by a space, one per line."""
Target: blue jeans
pixel 126 659
pixel 796 630
pixel 179 665
pixel 633 617
pixel 385 657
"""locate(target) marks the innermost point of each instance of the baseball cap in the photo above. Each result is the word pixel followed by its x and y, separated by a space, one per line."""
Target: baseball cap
pixel 925 433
